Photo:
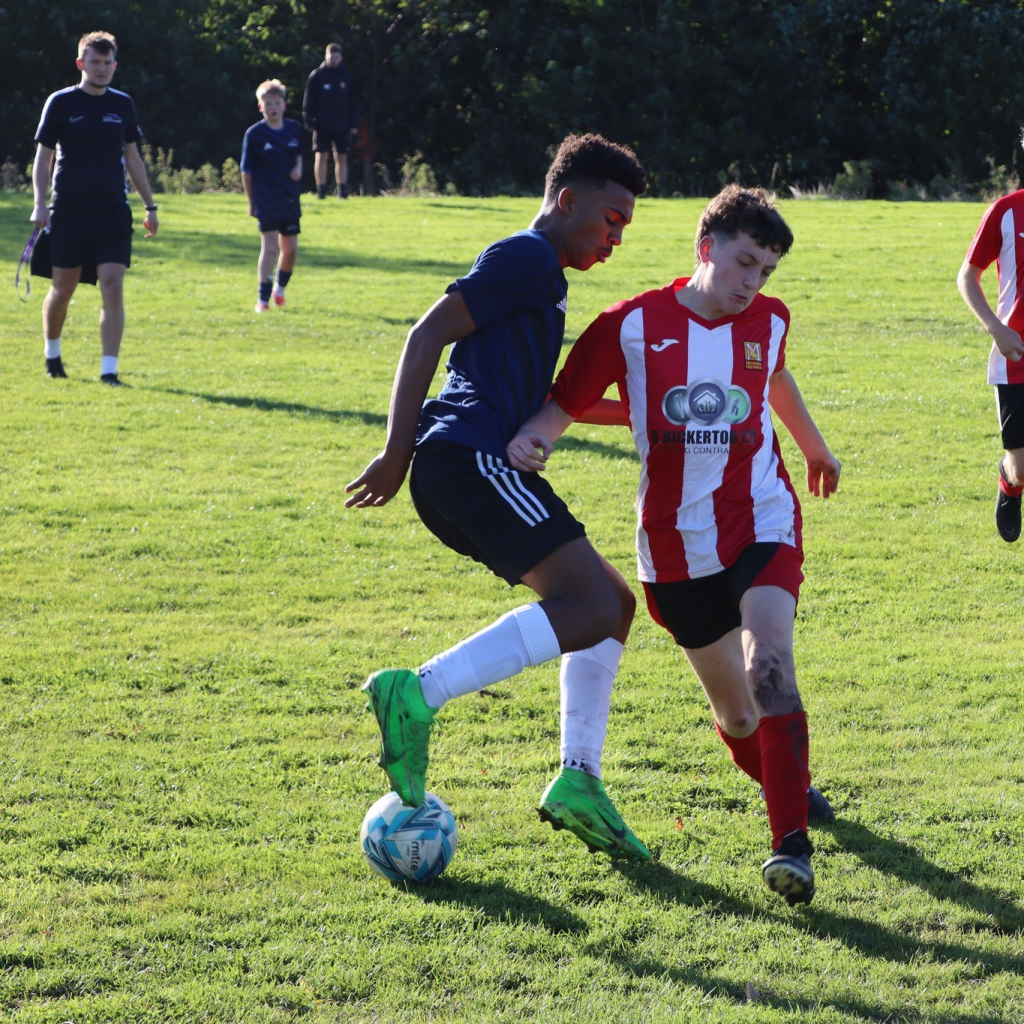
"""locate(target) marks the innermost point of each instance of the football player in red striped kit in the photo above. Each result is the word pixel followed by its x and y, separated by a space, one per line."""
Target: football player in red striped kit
pixel 1000 240
pixel 700 365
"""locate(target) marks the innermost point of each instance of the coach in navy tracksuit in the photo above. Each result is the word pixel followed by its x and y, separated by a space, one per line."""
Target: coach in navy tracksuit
pixel 330 112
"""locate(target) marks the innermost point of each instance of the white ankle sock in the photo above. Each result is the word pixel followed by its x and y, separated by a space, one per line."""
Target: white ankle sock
pixel 51 346
pixel 585 681
pixel 522 637
pixel 108 364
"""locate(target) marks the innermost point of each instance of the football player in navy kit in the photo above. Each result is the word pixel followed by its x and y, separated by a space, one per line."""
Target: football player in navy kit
pixel 506 318
pixel 271 171
pixel 92 132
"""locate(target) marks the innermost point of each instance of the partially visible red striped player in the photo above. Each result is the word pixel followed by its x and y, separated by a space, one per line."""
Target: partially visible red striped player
pixel 1000 240
pixel 699 364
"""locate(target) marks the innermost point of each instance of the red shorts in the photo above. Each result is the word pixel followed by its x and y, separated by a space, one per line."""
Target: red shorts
pixel 699 612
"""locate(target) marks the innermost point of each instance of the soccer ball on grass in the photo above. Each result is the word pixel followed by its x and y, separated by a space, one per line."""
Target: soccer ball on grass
pixel 408 844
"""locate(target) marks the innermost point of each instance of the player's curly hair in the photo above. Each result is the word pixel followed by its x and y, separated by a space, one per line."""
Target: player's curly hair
pixel 750 210
pixel 101 42
pixel 593 160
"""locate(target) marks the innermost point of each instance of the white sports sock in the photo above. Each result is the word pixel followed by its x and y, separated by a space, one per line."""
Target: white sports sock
pixel 585 681
pixel 51 346
pixel 108 364
pixel 520 638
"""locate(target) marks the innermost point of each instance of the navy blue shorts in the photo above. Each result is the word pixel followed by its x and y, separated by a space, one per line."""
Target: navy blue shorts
pixel 478 505
pixel 699 612
pixel 284 227
pixel 327 139
pixel 94 234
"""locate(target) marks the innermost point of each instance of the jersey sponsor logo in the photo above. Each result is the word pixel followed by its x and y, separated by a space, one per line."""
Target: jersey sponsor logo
pixel 752 355
pixel 706 402
pixel 292 143
pixel 662 345
pixel 72 120
pixel 111 119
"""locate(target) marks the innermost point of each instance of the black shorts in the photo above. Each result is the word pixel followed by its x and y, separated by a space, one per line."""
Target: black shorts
pixel 327 139
pixel 1010 406
pixel 93 234
pixel 479 506
pixel 284 227
pixel 699 612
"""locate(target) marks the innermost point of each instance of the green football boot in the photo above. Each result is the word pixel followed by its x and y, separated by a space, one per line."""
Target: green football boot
pixel 404 717
pixel 577 801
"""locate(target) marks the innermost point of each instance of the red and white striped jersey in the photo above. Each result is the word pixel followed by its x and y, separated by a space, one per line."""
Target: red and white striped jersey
pixel 712 480
pixel 1000 239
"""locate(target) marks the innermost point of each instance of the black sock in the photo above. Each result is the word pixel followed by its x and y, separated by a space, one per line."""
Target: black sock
pixel 283 277
pixel 266 287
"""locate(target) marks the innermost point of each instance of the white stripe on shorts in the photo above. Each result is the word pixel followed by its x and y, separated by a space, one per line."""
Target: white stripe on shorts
pixel 507 483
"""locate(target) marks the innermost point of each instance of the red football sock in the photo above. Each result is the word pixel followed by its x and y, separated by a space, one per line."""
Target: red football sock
pixel 1006 487
pixel 785 772
pixel 745 751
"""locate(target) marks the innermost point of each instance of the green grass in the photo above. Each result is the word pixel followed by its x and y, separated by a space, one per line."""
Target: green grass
pixel 187 612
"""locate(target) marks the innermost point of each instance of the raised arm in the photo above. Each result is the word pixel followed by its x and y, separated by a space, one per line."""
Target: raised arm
pixel 1007 340
pixel 448 320
pixel 788 404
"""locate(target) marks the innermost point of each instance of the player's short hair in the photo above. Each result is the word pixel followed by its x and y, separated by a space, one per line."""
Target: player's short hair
pixel 750 210
pixel 271 85
pixel 593 160
pixel 334 48
pixel 101 42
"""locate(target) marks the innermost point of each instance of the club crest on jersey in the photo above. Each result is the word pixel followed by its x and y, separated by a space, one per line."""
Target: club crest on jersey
pixel 752 355
pixel 706 402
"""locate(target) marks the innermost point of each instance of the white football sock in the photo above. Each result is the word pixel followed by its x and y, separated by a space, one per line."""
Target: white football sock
pixel 520 638
pixel 108 364
pixel 585 681
pixel 51 346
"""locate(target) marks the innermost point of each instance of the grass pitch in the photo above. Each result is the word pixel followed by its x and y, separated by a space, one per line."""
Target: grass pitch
pixel 187 613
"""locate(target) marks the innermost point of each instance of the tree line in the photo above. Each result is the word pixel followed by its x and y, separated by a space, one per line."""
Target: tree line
pixel 775 92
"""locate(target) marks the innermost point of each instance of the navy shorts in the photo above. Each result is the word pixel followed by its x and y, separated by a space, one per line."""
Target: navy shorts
pixel 1010 405
pixel 284 227
pixel 327 139
pixel 699 612
pixel 479 506
pixel 93 234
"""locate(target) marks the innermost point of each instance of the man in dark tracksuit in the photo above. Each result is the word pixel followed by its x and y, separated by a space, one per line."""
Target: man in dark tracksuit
pixel 330 112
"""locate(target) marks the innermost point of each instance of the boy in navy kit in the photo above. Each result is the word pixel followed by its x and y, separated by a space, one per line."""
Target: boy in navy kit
pixel 92 132
pixel 506 318
pixel 271 171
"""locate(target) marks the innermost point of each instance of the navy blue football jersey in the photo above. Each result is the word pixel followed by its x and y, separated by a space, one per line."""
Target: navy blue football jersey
pixel 501 374
pixel 89 135
pixel 269 155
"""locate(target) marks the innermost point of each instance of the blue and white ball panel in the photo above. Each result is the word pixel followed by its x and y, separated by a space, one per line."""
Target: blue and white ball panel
pixel 409 844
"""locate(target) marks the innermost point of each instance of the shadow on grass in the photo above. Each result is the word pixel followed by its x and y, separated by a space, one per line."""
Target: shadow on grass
pixel 664 884
pixel 372 419
pixel 609 451
pixel 721 989
pixel 503 905
pixel 891 857
pixel 242 249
